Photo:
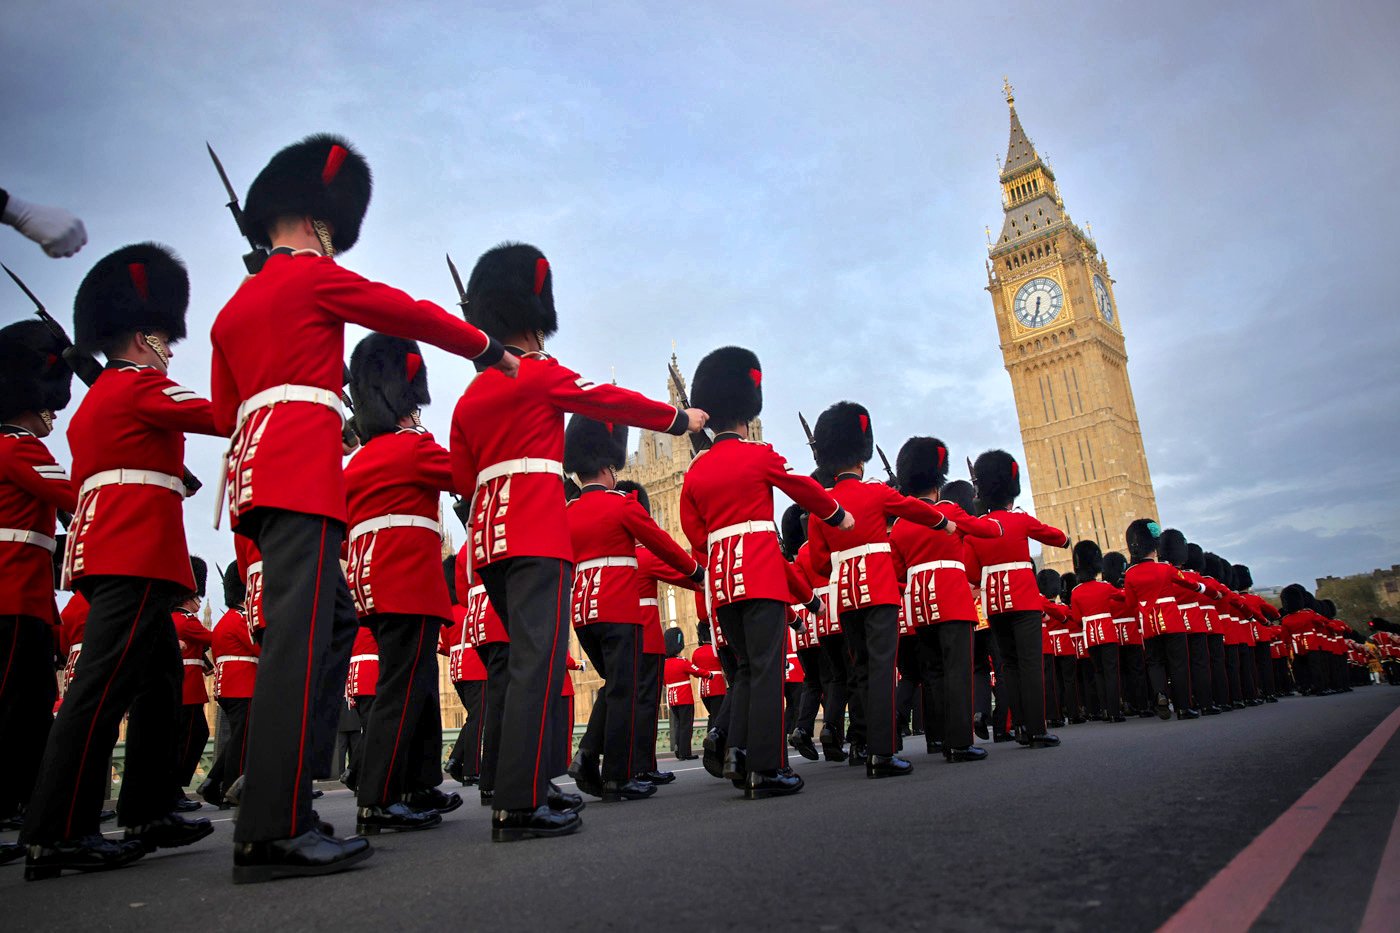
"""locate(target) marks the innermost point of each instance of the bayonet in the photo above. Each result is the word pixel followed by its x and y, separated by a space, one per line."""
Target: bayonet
pixel 253 259
pixel 700 440
pixel 886 461
pixel 457 279
pixel 807 429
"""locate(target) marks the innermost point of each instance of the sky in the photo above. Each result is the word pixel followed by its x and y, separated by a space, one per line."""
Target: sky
pixel 810 180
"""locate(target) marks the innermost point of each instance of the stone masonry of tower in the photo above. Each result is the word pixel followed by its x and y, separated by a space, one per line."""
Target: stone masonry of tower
pixel 1062 342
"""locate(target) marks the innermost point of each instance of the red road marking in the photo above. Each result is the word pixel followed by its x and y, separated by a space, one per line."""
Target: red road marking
pixel 1237 895
pixel 1384 905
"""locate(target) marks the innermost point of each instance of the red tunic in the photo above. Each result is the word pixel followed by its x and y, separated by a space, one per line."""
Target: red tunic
pixel 704 658
pixel 652 570
pixel 1153 588
pixel 235 657
pixel 605 528
pixel 827 622
pixel 134 418
pixel 195 640
pixel 482 626
pixel 1093 606
pixel 287 455
pixel 70 638
pixel 932 568
pixel 508 446
pixel 727 513
pixel 569 665
pixel 395 541
pixel 32 488
pixel 1054 622
pixel 1007 574
pixel 677 674
pixel 363 676
pixel 463 663
pixel 793 671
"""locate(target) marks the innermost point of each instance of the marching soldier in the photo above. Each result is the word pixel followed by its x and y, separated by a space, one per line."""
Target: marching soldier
pixel 713 687
pixel 727 514
pixel 1195 572
pixel 281 404
pixel 34 385
pixel 507 446
pixel 192 727
pixel 235 673
pixel 361 682
pixel 1093 605
pixel 680 699
pixel 468 676
pixel 484 632
pixel 126 554
pixel 1176 551
pixel 807 646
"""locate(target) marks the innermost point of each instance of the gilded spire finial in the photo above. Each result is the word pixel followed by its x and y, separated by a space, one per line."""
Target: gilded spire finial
pixel 1008 92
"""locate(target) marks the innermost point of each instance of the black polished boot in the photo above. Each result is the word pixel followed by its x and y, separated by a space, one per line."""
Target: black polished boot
pixel 858 756
pixel 396 817
pixel 1187 714
pixel 979 727
pixel 1211 710
pixel 454 771
pixel 713 759
pixel 615 791
pixel 584 770
pixel 212 795
pixel 562 800
pixel 884 766
pixel 430 798
pixel 656 777
pixel 90 853
pixel 311 853
pixel 1043 740
pixel 184 804
pixel 1002 737
pixel 234 792
pixel 735 764
pixel 1118 717
pixel 778 783
pixel 488 797
pixel 515 825
pixel 971 753
pixel 802 742
pixel 1271 699
pixel 831 745
pixel 935 747
pixel 169 832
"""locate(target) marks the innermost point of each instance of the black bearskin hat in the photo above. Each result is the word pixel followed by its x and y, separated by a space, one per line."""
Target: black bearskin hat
pixel 235 590
pixel 1327 608
pixel 571 490
pixel 591 446
pixel 511 291
pixel 728 386
pixel 139 287
pixel 921 465
pixel 1227 574
pixel 1244 580
pixel 627 485
pixel 997 478
pixel 961 493
pixel 1088 560
pixel 1142 537
pixel 823 477
pixel 843 437
pixel 675 642
pixel 1114 566
pixel 321 177
pixel 1068 582
pixel 201 575
pixel 1172 548
pixel 794 529
pixel 1048 582
pixel 388 381
pixel 1293 598
pixel 1195 558
pixel 449 572
pixel 702 632
pixel 33 375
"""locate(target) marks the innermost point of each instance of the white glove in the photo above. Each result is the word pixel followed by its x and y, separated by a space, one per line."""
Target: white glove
pixel 53 228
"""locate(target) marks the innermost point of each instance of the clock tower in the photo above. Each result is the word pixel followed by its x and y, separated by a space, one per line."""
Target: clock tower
pixel 1062 342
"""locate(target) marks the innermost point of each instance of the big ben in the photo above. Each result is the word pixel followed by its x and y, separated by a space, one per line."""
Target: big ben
pixel 1062 343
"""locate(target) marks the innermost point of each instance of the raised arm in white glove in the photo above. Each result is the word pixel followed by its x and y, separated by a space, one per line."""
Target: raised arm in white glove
pixel 53 228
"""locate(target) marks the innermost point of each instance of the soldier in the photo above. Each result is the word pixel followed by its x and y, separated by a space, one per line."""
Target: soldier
pixel 1219 699
pixel 468 675
pixel 285 483
pixel 34 385
pixel 1093 605
pixel 1009 593
pixel 713 687
pixel 126 553
pixel 806 645
pixel 1137 691
pixel 727 514
pixel 235 673
pixel 1054 624
pixel 192 726
pixel 862 569
pixel 507 444
pixel 606 526
pixel 1176 551
pixel 1260 613
pixel 680 698
pixel 487 635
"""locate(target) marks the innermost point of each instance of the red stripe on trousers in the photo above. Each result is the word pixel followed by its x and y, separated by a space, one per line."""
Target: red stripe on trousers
pixel 306 691
pixel 403 714
pixel 544 708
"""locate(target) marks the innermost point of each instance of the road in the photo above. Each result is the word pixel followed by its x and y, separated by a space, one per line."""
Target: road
pixel 1115 830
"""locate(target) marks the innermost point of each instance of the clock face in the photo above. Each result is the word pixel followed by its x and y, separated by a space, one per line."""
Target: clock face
pixel 1038 302
pixel 1102 299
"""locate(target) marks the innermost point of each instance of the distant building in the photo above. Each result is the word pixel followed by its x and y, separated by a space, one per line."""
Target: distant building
pixel 1363 595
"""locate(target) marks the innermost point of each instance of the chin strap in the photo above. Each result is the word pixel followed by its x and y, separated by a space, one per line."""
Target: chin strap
pixel 159 350
pixel 323 234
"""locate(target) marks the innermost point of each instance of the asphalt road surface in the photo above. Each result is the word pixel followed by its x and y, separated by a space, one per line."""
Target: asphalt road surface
pixel 1115 830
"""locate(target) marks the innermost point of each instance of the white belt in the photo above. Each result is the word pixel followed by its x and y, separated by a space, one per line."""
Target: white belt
pixel 1188 605
pixel 237 657
pixel 254 569
pixel 370 526
pixel 1058 631
pixel 648 602
pixel 77 647
pixel 840 557
pixel 1097 616
pixel 1124 619
pixel 132 478
pixel 743 528
pixel 933 565
pixel 289 393
pixel 581 566
pixel 20 536
pixel 1166 599
pixel 364 657
pixel 521 465
pixel 193 662
pixel 1002 568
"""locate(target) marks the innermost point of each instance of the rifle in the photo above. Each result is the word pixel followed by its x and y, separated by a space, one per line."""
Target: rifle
pixel 807 429
pixel 457 280
pixel 349 436
pixel 700 440
pixel 460 507
pixel 886 461
pixel 253 259
pixel 83 365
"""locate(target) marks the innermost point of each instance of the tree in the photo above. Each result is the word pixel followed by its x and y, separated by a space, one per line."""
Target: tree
pixel 1356 599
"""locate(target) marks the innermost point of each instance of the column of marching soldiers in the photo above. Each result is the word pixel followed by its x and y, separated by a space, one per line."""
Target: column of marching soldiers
pixel 866 599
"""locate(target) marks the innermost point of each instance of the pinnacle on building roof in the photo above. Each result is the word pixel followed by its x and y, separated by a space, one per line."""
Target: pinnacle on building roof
pixel 1020 151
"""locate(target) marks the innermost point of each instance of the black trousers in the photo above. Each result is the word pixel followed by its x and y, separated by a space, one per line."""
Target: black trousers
pixel 983 651
pixel 1106 675
pixel 564 725
pixel 1133 667
pixel 1198 657
pixel 758 634
pixel 467 749
pixel 1051 679
pixel 1233 673
pixel 1067 685
pixel 729 664
pixel 130 665
pixel 1264 664
pixel 27 693
pixel 682 728
pixel 192 733
pixel 836 688
pixel 531 595
pixel 1248 681
pixel 872 635
pixel 1018 639
pixel 1219 676
pixel 1168 668
pixel 712 708
pixel 1089 687
pixel 405 722
pixel 946 651
pixel 792 698
pixel 229 764
pixel 364 705
pixel 615 649
pixel 496 657
pixel 306 646
pixel 647 711
pixel 910 667
pixel 812 660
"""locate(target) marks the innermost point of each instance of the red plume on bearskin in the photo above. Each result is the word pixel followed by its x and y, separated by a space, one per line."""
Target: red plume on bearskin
pixel 33 375
pixel 842 437
pixel 725 387
pixel 115 301
pixel 591 446
pixel 321 177
pixel 921 465
pixel 388 382
pixel 511 291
